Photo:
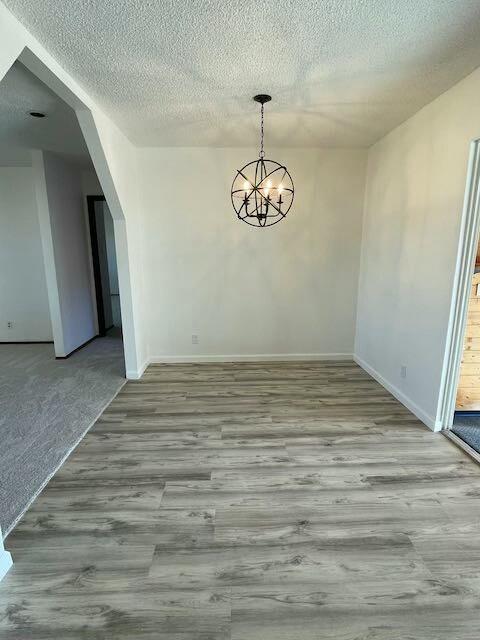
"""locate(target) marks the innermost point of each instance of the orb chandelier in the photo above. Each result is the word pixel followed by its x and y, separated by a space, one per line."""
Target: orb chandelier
pixel 262 191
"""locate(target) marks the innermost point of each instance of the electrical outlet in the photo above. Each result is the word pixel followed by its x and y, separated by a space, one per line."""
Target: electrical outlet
pixel 403 371
pixel 9 324
pixel 194 338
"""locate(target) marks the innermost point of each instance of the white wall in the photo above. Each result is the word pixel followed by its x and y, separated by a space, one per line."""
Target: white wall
pixel 23 287
pixel 284 290
pixel 62 218
pixel 414 195
pixel 90 183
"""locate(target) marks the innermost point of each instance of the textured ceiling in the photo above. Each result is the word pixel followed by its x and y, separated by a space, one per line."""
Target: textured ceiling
pixel 182 72
pixel 20 93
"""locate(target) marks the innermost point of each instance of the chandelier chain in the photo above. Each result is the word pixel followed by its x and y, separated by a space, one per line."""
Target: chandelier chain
pixel 262 152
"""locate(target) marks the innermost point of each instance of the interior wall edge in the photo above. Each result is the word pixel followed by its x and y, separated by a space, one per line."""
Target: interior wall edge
pixel 43 212
pixel 12 41
pixel 428 420
pixel 136 374
pixel 109 166
pixel 362 259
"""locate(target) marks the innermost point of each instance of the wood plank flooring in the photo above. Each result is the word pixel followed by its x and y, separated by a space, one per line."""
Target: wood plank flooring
pixel 251 501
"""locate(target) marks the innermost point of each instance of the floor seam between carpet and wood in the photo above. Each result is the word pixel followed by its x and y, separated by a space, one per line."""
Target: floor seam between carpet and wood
pixel 47 407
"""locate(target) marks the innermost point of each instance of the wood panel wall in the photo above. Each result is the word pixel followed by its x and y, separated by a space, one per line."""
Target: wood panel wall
pixel 468 394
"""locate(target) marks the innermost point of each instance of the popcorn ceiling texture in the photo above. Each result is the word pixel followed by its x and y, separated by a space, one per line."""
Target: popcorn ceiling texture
pixel 342 72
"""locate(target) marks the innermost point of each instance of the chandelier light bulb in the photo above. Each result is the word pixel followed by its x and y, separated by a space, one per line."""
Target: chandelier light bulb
pixel 266 191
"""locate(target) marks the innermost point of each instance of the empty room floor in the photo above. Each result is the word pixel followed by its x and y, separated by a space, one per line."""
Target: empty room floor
pixel 46 407
pixel 251 501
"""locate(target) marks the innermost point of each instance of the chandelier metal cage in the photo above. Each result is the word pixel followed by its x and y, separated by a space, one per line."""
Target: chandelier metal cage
pixel 262 190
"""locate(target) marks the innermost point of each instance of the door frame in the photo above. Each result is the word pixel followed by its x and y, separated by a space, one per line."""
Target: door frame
pixel 97 276
pixel 466 254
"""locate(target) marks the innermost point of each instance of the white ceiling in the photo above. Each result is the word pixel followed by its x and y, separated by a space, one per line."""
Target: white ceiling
pixel 182 72
pixel 20 93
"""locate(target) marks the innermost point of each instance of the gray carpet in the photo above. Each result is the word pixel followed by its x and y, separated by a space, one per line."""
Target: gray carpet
pixel 46 407
pixel 468 429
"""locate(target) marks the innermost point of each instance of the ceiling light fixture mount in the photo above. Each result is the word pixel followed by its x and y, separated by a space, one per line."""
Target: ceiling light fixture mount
pixel 262 98
pixel 262 190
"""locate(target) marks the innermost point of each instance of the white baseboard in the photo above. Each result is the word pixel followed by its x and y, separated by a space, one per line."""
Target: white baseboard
pixel 257 357
pixel 136 374
pixel 428 420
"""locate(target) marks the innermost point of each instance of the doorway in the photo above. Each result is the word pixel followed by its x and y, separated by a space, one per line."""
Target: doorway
pixel 104 263
pixel 466 421
pixel 459 402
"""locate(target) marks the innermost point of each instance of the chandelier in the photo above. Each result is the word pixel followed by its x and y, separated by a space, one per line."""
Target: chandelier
pixel 262 191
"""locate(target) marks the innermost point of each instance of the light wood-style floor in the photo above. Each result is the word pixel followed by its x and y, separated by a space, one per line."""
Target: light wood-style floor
pixel 251 501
